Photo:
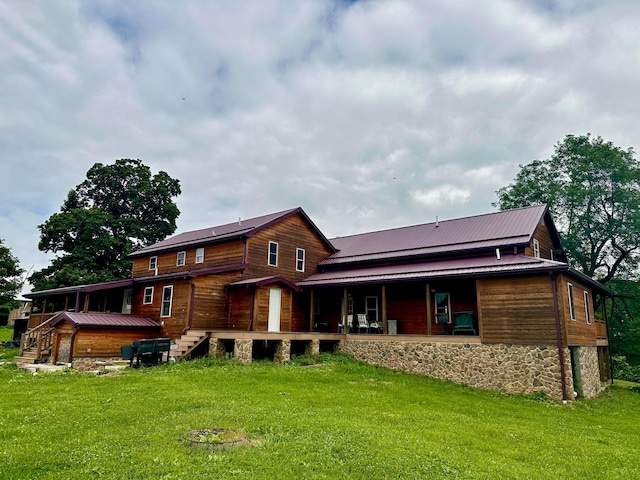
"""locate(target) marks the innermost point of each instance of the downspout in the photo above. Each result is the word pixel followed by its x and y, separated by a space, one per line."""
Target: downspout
pixel 606 324
pixel 556 310
pixel 193 296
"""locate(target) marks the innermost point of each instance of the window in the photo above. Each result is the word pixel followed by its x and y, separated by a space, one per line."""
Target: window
pixel 300 259
pixel 587 308
pixel 273 254
pixel 148 296
pixel 350 305
pixel 443 308
pixel 181 258
pixel 167 295
pixel 536 248
pixel 371 308
pixel 572 308
pixel 153 263
pixel 199 255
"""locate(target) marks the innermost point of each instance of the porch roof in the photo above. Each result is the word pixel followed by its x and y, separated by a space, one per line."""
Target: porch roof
pixel 260 282
pixel 81 288
pixel 474 266
pixel 106 320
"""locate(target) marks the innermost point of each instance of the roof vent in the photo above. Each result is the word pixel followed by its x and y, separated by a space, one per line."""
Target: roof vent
pixel 213 233
pixel 437 221
pixel 239 220
pixel 497 254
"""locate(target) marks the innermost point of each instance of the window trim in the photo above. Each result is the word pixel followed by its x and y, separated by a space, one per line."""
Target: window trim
pixel 184 258
pixel 536 248
pixel 144 296
pixel 170 300
pixel 269 254
pixel 298 259
pixel 587 308
pixel 572 306
pixel 367 309
pixel 153 260
pixel 200 258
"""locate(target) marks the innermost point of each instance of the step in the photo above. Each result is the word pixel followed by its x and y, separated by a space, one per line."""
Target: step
pixel 24 359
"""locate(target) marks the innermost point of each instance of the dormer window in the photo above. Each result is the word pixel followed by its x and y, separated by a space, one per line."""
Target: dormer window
pixel 153 263
pixel 273 254
pixel 181 258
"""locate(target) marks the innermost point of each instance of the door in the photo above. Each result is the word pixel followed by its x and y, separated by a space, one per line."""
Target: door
pixel 275 301
pixel 64 349
pixel 126 301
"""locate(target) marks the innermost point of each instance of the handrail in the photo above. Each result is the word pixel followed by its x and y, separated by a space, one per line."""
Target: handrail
pixel 38 338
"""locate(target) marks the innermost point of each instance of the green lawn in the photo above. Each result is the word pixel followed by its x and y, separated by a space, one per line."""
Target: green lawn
pixel 6 334
pixel 341 419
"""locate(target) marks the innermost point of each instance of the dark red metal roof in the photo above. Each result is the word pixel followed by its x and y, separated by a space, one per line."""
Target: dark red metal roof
pixel 81 288
pixel 229 231
pixel 260 282
pixel 499 229
pixel 106 320
pixel 473 266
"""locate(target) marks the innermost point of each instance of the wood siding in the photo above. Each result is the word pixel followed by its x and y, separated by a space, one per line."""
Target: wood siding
pixel 291 233
pixel 544 239
pixel 578 331
pixel 240 308
pixel 215 255
pixel 407 303
pixel 517 310
pixel 172 325
pixel 106 342
pixel 261 315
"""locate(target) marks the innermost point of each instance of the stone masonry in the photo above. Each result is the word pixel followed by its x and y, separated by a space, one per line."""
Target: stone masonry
pixel 283 351
pixel 312 348
pixel 588 370
pixel 216 348
pixel 520 369
pixel 243 350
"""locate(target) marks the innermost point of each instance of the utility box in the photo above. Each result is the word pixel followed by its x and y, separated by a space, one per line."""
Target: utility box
pixel 392 327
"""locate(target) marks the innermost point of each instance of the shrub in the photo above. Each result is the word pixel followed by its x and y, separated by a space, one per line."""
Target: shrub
pixel 623 371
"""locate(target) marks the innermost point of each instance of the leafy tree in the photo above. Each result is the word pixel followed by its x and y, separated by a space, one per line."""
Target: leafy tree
pixel 592 188
pixel 10 275
pixel 118 209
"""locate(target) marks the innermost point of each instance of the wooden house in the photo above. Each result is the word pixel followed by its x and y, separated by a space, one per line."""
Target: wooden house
pixel 487 300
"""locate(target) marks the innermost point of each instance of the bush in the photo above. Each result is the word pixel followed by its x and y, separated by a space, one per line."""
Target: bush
pixel 623 371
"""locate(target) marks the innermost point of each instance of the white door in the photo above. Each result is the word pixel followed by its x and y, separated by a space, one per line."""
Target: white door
pixel 275 299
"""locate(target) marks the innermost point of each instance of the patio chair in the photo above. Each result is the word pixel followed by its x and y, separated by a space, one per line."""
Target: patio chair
pixel 375 327
pixel 463 323
pixel 349 323
pixel 362 323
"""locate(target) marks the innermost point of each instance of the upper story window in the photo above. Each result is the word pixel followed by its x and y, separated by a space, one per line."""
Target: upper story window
pixel 536 248
pixel 572 308
pixel 300 259
pixel 167 296
pixel 181 258
pixel 148 296
pixel 273 254
pixel 153 263
pixel 200 255
pixel 587 308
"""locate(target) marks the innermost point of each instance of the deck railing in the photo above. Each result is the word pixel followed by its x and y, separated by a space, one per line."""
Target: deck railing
pixel 38 339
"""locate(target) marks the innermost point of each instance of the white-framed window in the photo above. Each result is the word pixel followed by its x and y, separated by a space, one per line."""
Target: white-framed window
pixel 148 296
pixel 300 259
pixel 167 297
pixel 587 308
pixel 180 259
pixel 572 307
pixel 371 308
pixel 200 255
pixel 273 254
pixel 153 263
pixel 350 305
pixel 443 307
pixel 536 248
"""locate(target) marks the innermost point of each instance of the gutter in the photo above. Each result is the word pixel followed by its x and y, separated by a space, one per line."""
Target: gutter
pixel 193 296
pixel 556 311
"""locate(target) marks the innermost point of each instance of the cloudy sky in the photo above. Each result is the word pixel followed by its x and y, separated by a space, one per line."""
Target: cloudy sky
pixel 368 114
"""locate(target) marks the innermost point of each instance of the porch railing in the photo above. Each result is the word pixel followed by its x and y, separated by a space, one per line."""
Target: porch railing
pixel 38 339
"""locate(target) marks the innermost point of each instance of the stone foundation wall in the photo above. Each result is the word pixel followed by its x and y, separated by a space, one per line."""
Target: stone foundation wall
pixel 521 369
pixel 283 351
pixel 85 364
pixel 589 372
pixel 243 350
pixel 312 348
pixel 216 348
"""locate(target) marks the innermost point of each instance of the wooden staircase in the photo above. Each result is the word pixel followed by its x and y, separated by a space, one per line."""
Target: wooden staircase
pixel 36 344
pixel 188 342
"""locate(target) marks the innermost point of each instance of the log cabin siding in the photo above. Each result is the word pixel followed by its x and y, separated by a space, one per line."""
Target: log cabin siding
pixel 240 308
pixel 578 331
pixel 544 240
pixel 177 321
pixel 517 310
pixel 261 309
pixel 291 233
pixel 106 342
pixel 211 308
pixel 215 255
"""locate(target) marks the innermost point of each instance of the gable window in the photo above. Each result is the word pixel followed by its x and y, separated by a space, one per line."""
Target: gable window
pixel 536 248
pixel 587 309
pixel 153 263
pixel 148 296
pixel 273 254
pixel 572 308
pixel 199 255
pixel 300 259
pixel 443 308
pixel 181 258
pixel 167 296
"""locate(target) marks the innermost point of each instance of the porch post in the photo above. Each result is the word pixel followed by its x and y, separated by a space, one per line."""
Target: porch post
pixel 345 310
pixel 77 306
pixel 66 303
pixel 86 302
pixel 428 310
pixel 311 311
pixel 384 308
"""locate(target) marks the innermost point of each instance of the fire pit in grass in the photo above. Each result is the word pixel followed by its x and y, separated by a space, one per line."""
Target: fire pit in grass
pixel 217 439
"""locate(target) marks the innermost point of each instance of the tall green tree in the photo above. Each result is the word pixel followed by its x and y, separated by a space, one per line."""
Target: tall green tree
pixel 592 188
pixel 118 209
pixel 10 275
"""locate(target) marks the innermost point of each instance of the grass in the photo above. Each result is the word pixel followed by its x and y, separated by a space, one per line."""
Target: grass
pixel 341 419
pixel 7 354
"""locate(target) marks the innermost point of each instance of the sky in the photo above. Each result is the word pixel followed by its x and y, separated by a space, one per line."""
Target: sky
pixel 367 114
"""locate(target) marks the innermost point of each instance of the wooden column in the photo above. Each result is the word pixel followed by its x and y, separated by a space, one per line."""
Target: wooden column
pixel 86 302
pixel 312 311
pixel 345 308
pixel 66 303
pixel 384 309
pixel 428 309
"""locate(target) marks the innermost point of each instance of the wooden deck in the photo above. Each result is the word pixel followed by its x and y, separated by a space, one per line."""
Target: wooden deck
pixel 306 336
